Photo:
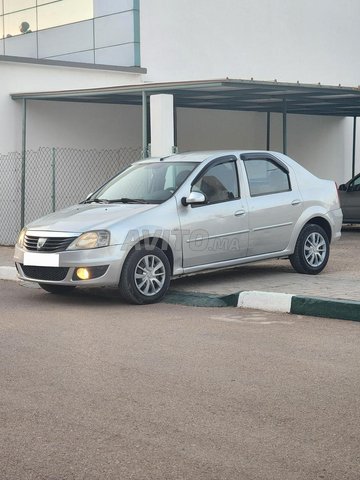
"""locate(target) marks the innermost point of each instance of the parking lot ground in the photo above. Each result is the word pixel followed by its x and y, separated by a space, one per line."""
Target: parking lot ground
pixel 6 256
pixel 339 280
pixel 91 388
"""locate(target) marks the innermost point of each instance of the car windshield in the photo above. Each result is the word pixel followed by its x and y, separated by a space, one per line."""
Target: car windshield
pixel 144 183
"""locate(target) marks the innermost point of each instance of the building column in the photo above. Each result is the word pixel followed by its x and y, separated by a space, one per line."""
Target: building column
pixel 162 125
pixel 144 126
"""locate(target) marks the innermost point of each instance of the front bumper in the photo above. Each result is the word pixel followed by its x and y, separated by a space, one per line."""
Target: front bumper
pixel 110 258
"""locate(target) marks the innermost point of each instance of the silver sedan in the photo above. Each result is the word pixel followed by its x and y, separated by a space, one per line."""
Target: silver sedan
pixel 165 217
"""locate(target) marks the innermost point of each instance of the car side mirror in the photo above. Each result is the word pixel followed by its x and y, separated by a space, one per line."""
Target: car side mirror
pixel 193 199
pixel 343 187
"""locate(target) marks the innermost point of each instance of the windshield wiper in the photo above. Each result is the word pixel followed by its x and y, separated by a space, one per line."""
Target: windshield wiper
pixel 97 200
pixel 127 200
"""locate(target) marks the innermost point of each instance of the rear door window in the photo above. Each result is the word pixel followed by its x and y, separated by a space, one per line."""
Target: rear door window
pixel 266 177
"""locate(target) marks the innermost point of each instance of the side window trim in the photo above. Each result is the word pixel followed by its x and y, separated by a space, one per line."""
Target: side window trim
pixel 265 156
pixel 213 163
pixel 270 158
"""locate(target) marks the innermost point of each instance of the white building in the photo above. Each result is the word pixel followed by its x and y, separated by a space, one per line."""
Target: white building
pixel 281 58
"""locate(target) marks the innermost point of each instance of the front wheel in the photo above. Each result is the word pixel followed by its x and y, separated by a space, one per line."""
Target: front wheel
pixel 57 289
pixel 145 276
pixel 312 250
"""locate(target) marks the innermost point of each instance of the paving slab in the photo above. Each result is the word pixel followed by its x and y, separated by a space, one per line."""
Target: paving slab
pixel 339 280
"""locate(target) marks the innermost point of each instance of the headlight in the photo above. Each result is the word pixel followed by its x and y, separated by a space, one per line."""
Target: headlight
pixel 20 240
pixel 96 239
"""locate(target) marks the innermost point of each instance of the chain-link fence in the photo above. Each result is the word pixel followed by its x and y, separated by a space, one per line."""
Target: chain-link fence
pixel 54 178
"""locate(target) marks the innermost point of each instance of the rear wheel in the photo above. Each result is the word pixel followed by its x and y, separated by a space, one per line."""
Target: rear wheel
pixel 312 250
pixel 57 289
pixel 145 276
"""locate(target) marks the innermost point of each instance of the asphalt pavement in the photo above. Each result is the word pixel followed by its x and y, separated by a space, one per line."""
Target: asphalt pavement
pixel 94 389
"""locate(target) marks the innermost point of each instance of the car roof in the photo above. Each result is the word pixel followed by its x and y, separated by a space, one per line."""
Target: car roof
pixel 200 156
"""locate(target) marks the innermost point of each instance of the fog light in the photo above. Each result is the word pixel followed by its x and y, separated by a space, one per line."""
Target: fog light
pixel 83 273
pixel 88 273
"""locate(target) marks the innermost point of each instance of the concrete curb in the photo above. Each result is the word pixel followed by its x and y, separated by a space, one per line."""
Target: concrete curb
pixel 267 301
pixel 272 302
pixel 8 273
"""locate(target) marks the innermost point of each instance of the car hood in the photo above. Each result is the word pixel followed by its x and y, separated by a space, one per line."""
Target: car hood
pixel 92 216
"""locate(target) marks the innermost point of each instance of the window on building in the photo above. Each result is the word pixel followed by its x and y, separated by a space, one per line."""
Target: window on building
pixel 68 30
pixel 11 6
pixel 43 2
pixel 23 16
pixel 19 23
pixel 64 12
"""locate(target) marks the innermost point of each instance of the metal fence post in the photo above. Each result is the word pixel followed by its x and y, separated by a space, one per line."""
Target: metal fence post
pixel 53 175
pixel 23 164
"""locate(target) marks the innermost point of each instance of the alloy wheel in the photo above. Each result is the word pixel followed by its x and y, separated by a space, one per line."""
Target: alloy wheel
pixel 150 275
pixel 315 249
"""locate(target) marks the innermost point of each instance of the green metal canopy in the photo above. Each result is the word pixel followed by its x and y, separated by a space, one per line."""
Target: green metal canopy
pixel 224 94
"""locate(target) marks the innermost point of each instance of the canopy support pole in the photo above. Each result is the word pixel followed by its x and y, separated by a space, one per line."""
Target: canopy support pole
pixel 284 127
pixel 354 147
pixel 23 163
pixel 175 124
pixel 268 130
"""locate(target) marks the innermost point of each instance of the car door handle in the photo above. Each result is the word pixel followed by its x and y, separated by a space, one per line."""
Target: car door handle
pixel 238 213
pixel 296 202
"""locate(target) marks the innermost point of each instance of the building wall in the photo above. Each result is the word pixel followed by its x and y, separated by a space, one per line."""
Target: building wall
pixel 292 41
pixel 83 125
pixel 307 41
pixel 58 124
pixel 322 145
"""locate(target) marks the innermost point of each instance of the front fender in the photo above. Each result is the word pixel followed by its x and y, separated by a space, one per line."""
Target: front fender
pixel 151 234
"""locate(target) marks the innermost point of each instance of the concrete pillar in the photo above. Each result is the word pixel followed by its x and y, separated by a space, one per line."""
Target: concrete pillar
pixel 162 125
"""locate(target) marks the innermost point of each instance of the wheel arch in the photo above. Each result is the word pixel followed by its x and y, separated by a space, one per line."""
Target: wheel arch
pixel 323 223
pixel 159 243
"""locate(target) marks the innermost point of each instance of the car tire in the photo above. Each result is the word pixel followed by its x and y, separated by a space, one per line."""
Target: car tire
pixel 57 289
pixel 145 276
pixel 312 250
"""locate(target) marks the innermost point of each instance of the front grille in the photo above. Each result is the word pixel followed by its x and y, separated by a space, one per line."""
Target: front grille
pixel 52 244
pixel 45 273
